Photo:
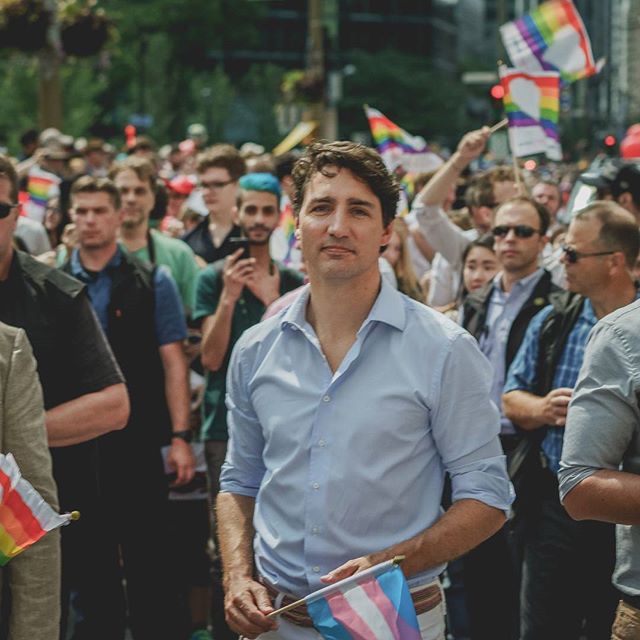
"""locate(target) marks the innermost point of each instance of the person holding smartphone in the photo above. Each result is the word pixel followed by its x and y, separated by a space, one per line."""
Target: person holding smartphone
pixel 231 296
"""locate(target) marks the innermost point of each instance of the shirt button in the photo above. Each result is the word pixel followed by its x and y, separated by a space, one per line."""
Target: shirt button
pixel 326 399
pixel 315 485
pixel 315 530
pixel 316 569
pixel 321 443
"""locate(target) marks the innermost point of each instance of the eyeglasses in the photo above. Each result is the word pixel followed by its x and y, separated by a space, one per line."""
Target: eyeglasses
pixel 520 230
pixel 573 256
pixel 5 208
pixel 215 184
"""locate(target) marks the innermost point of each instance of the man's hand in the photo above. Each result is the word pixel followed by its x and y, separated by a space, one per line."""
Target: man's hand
pixel 473 144
pixel 350 568
pixel 181 460
pixel 236 274
pixel 246 606
pixel 265 286
pixel 555 405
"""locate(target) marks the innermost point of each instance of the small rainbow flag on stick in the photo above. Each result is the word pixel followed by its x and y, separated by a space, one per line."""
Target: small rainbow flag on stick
pixel 551 38
pixel 24 516
pixel 399 148
pixel 532 103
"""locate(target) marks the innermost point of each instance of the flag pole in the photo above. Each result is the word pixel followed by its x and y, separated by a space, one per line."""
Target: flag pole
pixel 516 169
pixel 499 125
pixel 397 560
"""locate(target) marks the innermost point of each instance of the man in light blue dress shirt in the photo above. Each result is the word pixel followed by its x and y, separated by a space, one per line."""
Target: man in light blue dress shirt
pixel 345 411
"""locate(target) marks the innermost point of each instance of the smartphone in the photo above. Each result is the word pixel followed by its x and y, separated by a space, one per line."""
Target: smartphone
pixel 241 243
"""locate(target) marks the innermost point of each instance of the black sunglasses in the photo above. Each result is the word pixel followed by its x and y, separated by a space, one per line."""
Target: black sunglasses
pixel 5 209
pixel 573 256
pixel 521 230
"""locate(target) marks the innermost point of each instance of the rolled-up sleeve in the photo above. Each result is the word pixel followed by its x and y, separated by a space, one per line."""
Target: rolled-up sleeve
pixel 443 235
pixel 603 413
pixel 466 424
pixel 243 469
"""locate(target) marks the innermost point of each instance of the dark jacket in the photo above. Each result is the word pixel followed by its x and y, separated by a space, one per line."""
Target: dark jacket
pixel 476 307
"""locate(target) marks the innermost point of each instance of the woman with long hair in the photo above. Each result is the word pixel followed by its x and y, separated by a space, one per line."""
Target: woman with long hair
pixel 397 255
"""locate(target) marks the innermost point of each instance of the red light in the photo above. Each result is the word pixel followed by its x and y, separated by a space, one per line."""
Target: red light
pixel 609 141
pixel 530 165
pixel 497 92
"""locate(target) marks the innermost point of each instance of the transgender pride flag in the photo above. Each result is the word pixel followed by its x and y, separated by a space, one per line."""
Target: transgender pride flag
pixel 372 605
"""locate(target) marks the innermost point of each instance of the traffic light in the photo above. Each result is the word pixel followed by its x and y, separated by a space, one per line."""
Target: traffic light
pixel 497 92
pixel 610 144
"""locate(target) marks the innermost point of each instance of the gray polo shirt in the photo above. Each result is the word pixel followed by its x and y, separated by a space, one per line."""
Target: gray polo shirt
pixel 603 425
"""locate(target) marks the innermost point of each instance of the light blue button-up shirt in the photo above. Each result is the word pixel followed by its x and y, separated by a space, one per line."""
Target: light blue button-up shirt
pixel 348 463
pixel 502 311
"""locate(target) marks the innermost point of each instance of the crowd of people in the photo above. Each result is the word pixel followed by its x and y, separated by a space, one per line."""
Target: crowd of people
pixel 255 376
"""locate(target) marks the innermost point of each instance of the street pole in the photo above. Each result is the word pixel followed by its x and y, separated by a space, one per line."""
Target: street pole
pixel 49 86
pixel 315 60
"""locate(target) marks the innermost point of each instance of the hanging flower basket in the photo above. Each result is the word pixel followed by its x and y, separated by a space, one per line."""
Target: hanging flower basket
pixel 24 24
pixel 86 33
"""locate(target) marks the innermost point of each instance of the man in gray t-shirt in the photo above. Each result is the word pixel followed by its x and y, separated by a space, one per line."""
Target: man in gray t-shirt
pixel 600 469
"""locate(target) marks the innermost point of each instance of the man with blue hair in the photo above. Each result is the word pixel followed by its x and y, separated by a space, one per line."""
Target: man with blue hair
pixel 231 296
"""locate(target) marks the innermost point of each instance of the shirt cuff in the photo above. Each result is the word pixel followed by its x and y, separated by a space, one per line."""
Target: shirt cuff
pixel 486 481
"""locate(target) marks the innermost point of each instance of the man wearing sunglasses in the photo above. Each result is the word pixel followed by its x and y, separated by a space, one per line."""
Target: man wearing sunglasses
pixel 219 170
pixel 84 392
pixel 485 192
pixel 568 565
pixel 498 315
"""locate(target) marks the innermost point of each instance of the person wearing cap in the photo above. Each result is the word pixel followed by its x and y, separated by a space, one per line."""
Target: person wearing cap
pixel 136 182
pixel 232 295
pixel 620 182
pixel 96 160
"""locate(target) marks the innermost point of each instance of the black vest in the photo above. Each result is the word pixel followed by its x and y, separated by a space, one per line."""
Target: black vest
pixel 132 336
pixel 476 307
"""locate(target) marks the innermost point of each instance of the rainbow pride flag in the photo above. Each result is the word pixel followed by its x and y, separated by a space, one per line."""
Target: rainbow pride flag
pixel 550 38
pixel 375 604
pixel 24 516
pixel 532 104
pixel 41 185
pixel 399 148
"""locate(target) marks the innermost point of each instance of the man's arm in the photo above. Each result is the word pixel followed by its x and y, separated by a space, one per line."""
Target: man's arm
pixel 177 394
pixel 464 526
pixel 216 328
pixel 171 331
pixel 102 403
pixel 34 575
pixel 439 231
pixel 610 496
pixel 247 602
pixel 88 416
pixel 602 423
pixel 469 148
pixel 530 411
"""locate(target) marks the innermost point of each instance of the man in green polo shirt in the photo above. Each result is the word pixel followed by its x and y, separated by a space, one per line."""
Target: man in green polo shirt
pixel 231 296
pixel 135 180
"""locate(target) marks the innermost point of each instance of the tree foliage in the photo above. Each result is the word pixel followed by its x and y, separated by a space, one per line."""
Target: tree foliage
pixel 407 90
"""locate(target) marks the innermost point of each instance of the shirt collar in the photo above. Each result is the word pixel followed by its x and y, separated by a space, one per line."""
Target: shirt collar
pixel 522 283
pixel 387 308
pixel 78 270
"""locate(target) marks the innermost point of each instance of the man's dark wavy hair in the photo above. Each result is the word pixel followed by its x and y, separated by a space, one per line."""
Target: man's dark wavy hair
pixel 365 163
